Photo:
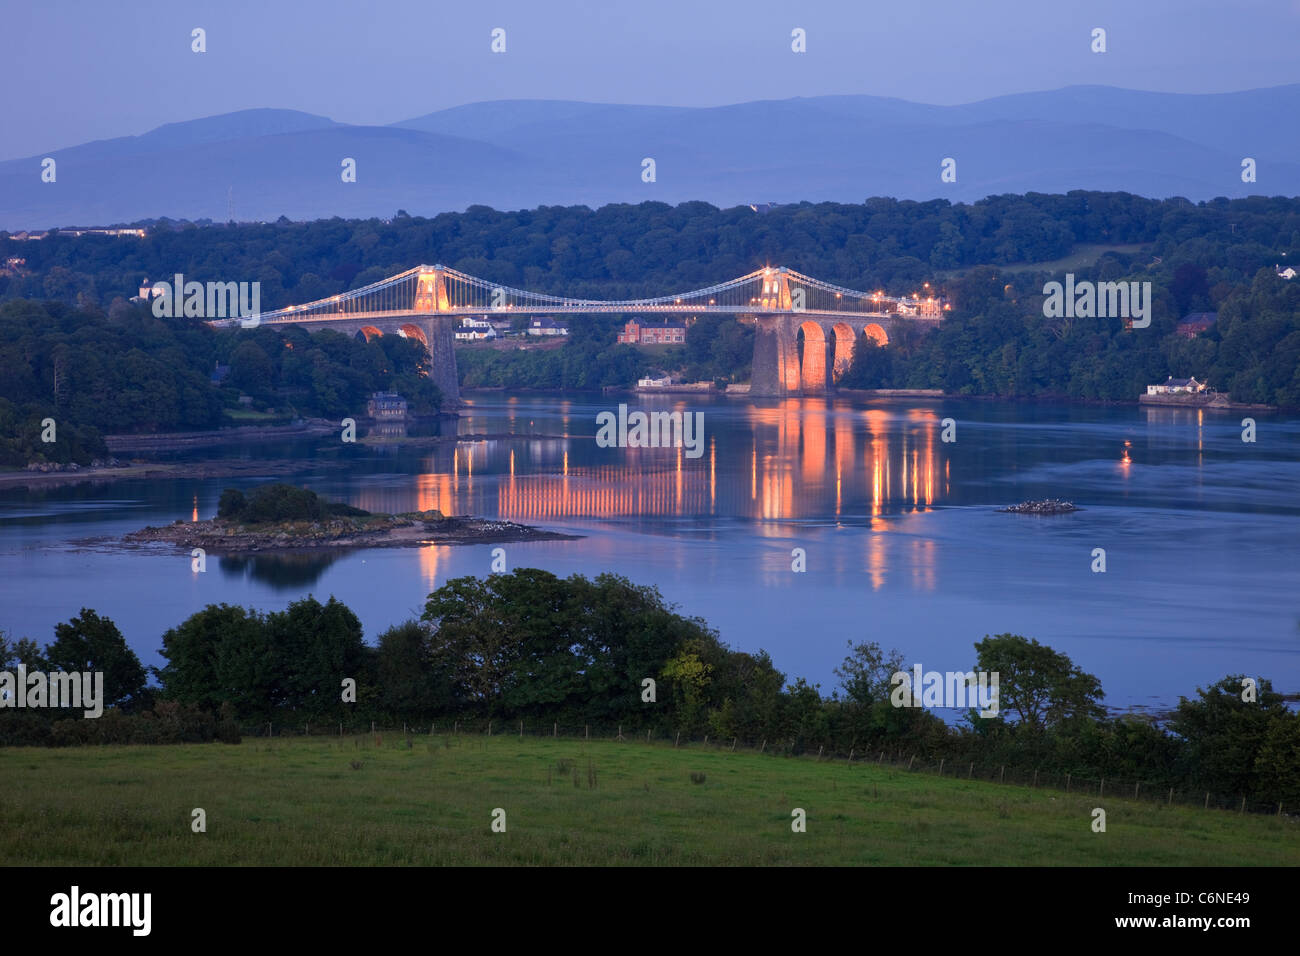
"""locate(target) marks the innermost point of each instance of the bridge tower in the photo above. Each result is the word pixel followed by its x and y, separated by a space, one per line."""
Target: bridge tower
pixel 776 370
pixel 431 298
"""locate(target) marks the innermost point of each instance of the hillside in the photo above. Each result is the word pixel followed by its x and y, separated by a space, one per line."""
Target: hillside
pixel 523 153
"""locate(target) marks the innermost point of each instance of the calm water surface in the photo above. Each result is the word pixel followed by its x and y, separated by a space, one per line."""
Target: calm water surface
pixel 903 542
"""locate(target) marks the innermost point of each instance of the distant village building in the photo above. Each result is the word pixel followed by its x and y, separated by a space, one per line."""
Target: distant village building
pixel 15 265
pixel 137 233
pixel 636 334
pixel 474 329
pixel 545 325
pixel 1196 323
pixel 386 406
pixel 1177 386
pixel 147 291
pixel 1287 273
pixel 660 381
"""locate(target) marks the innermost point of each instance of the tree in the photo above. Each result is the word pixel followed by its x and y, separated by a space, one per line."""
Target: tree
pixel 232 504
pixel 1231 745
pixel 1041 686
pixel 89 642
pixel 198 652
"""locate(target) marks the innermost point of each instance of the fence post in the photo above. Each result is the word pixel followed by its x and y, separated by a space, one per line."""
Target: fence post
pixel 586 731
pixel 647 736
pixel 1279 808
pixel 971 772
pixel 819 751
pixel 555 729
pixel 1002 778
pixel 1102 791
pixel 850 755
pixel 372 726
pixel 941 760
pixel 1243 805
pixel 706 740
pixel 881 758
pixel 521 729
pixel 733 745
pixel 1136 785
pixel 1207 800
pixel 764 747
pixel 909 762
pixel 679 738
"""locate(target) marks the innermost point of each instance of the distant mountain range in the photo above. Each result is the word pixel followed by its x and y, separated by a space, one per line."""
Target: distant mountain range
pixel 524 153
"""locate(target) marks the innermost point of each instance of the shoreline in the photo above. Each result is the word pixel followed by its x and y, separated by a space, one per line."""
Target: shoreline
pixel 415 529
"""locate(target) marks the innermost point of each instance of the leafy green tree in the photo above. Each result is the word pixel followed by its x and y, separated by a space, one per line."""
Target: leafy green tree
pixel 89 642
pixel 1231 745
pixel 1042 687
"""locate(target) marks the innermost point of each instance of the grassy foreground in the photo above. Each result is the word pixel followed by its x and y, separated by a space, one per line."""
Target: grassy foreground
pixel 367 800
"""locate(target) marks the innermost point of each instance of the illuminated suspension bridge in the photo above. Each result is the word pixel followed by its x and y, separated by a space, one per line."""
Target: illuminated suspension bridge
pixel 425 302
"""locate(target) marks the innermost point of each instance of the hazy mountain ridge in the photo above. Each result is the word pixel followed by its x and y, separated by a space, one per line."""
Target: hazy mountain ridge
pixel 523 153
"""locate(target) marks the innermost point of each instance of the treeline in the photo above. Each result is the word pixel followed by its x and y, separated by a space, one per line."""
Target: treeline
pixel 131 714
pixel 529 646
pixel 626 251
pixel 129 371
pixel 997 341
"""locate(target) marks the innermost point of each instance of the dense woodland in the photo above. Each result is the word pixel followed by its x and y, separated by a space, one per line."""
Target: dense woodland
pixel 529 646
pixel 98 374
pixel 72 347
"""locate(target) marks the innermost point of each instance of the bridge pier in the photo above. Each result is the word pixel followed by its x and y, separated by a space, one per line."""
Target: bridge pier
pixel 440 342
pixel 775 371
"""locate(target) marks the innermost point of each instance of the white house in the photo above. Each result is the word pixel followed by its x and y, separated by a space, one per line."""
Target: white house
pixel 472 329
pixel 1287 273
pixel 1176 386
pixel 545 325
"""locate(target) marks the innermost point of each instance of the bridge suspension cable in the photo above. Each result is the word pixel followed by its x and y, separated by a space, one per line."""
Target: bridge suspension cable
pixel 441 290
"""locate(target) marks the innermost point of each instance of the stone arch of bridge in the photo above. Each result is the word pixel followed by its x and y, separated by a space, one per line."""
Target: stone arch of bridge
pixel 812 374
pixel 412 331
pixel 843 337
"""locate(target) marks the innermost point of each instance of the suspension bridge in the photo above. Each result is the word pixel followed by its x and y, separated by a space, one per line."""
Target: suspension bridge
pixel 426 302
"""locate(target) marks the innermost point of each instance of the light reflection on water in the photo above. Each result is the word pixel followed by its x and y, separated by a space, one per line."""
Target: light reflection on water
pixel 903 543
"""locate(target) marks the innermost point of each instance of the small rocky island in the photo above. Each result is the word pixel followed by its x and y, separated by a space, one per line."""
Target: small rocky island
pixel 1047 506
pixel 282 517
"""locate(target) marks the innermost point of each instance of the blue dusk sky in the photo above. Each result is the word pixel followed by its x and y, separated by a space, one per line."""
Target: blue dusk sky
pixel 78 71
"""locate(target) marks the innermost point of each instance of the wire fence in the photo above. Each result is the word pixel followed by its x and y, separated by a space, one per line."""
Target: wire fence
pixel 1067 782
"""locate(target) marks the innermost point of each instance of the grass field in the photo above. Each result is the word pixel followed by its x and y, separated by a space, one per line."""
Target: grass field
pixel 358 802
